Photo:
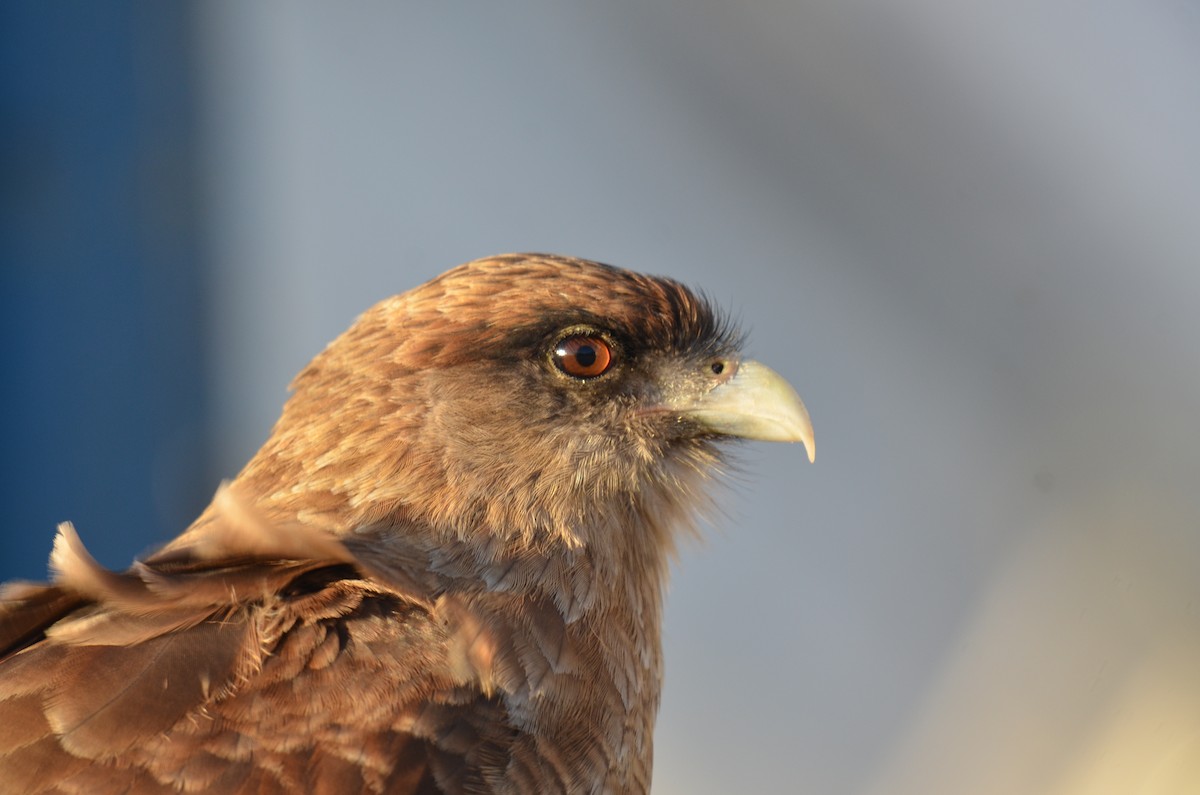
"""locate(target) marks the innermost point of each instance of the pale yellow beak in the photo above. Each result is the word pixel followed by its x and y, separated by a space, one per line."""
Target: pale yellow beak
pixel 757 403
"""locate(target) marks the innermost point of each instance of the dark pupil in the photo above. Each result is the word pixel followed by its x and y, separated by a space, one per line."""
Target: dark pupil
pixel 586 355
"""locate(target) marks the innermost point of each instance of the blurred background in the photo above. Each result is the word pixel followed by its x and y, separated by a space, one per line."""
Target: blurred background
pixel 969 233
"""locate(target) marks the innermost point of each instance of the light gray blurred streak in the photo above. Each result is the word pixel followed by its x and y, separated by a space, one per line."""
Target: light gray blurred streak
pixel 251 169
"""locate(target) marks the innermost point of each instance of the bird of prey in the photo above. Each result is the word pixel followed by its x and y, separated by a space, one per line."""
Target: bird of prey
pixel 442 573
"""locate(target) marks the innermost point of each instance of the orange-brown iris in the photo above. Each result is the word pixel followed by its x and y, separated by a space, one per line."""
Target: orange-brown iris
pixel 583 356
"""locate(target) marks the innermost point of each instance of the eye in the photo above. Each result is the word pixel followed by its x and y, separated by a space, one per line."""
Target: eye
pixel 583 356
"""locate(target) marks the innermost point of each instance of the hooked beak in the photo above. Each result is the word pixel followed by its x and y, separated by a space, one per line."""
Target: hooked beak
pixel 756 403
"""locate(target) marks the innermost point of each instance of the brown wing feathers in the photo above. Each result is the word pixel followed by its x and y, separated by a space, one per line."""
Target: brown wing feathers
pixel 217 652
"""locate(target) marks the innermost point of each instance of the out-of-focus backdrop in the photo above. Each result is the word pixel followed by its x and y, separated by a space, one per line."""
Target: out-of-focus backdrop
pixel 968 232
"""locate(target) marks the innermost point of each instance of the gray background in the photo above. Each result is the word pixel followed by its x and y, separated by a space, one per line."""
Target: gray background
pixel 967 232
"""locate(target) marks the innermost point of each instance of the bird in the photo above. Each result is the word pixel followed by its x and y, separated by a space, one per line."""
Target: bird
pixel 443 572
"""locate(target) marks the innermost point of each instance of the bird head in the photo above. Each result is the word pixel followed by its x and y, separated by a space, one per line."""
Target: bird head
pixel 526 396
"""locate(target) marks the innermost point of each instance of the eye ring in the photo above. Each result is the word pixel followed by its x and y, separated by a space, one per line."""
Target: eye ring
pixel 583 355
